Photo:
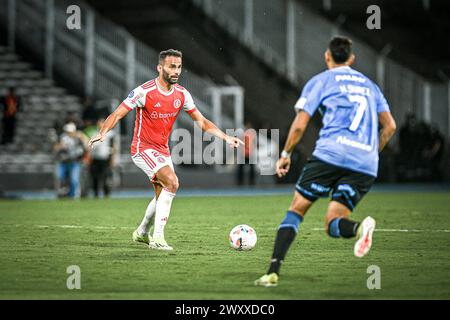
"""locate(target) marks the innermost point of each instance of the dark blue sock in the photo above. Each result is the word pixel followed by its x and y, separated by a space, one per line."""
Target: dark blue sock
pixel 291 220
pixel 285 236
pixel 342 227
pixel 333 228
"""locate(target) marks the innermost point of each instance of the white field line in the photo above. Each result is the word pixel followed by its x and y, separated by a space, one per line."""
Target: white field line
pixel 79 227
pixel 313 229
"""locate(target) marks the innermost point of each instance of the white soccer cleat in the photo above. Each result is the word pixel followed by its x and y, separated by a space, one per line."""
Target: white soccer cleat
pixel 159 244
pixel 365 232
pixel 137 237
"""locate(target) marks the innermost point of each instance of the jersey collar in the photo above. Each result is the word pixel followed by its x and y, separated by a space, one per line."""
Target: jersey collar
pixel 341 68
pixel 166 93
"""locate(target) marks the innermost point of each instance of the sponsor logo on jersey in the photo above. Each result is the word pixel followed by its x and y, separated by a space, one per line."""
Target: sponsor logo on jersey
pixel 349 77
pixel 131 94
pixel 168 115
pixel 177 103
pixel 161 160
pixel 354 144
pixel 156 115
pixel 158 105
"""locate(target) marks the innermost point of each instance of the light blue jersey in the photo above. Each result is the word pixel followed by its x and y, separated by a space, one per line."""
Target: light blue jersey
pixel 350 103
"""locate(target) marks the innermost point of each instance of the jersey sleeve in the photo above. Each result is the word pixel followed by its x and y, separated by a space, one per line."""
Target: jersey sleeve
pixel 188 105
pixel 311 96
pixel 136 98
pixel 381 101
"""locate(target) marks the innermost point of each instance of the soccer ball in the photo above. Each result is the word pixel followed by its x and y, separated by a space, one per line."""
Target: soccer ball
pixel 242 237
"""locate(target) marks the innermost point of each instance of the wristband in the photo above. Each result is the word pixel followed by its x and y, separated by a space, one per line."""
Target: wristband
pixel 285 154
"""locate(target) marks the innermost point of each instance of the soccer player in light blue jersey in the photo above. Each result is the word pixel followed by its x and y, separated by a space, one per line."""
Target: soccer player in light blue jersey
pixel 357 124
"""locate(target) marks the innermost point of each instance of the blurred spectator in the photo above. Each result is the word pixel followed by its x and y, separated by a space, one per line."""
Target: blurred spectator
pixel 433 153
pixel 421 151
pixel 102 161
pixel 72 117
pixel 407 135
pixel 10 105
pixel 249 147
pixel 411 144
pixel 69 151
pixel 89 117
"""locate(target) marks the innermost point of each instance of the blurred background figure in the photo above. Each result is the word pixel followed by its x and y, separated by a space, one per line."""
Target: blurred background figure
pixel 10 105
pixel 433 153
pixel 69 151
pixel 89 117
pixel 102 161
pixel 409 137
pixel 248 150
pixel 421 148
pixel 70 117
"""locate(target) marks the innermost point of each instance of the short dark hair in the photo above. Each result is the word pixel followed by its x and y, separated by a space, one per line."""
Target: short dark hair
pixel 169 53
pixel 340 49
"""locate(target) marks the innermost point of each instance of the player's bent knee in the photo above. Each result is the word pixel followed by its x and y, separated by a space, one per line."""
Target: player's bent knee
pixel 330 217
pixel 172 184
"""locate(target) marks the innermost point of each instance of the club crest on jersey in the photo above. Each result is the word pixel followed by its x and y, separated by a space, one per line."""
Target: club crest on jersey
pixel 177 103
pixel 161 160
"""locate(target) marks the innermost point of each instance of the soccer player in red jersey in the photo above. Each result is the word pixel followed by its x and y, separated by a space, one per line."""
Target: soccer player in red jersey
pixel 158 102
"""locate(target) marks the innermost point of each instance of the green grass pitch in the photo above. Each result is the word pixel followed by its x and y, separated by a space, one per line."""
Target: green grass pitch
pixel 40 239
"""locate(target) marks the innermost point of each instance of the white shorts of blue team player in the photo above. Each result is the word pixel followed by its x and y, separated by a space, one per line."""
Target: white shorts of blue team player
pixel 150 161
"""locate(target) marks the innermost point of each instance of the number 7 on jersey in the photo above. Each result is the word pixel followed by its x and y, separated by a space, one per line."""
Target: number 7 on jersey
pixel 362 106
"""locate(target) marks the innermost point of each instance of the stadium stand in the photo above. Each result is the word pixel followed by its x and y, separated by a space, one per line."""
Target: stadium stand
pixel 291 37
pixel 426 20
pixel 42 103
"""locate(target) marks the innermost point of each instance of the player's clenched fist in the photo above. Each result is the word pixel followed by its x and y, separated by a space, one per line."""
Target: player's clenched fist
pixel 283 165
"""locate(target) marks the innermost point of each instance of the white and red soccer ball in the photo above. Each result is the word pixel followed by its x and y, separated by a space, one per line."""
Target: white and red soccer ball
pixel 242 237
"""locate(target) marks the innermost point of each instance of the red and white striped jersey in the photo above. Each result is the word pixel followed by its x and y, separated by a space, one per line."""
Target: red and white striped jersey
pixel 156 112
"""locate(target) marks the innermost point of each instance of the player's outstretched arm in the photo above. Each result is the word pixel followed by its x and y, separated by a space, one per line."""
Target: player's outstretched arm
pixel 110 123
pixel 388 127
pixel 207 126
pixel 296 132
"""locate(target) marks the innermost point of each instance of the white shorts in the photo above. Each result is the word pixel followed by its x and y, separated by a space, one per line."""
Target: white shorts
pixel 150 161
